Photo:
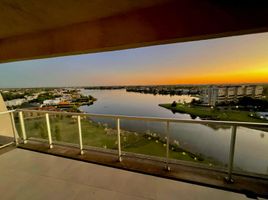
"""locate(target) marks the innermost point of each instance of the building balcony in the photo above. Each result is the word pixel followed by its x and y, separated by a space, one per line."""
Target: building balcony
pixel 107 140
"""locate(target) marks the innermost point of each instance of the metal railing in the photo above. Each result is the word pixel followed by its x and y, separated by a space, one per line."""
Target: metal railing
pixel 118 118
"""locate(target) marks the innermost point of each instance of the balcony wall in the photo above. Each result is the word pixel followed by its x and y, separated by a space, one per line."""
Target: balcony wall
pixel 5 120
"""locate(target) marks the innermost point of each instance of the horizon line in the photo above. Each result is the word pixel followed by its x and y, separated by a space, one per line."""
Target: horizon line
pixel 179 84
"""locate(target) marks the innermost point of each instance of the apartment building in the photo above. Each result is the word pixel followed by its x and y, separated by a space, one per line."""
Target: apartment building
pixel 218 94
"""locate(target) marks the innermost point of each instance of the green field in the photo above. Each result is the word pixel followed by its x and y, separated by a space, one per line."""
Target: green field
pixel 65 129
pixel 212 113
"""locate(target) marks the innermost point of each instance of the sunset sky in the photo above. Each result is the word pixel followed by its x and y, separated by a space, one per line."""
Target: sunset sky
pixel 239 59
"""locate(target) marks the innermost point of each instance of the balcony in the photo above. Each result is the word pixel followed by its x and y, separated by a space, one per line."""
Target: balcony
pixel 110 141
pixel 40 29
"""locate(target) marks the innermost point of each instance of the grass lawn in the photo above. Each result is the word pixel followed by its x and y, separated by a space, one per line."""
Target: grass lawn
pixel 65 129
pixel 213 114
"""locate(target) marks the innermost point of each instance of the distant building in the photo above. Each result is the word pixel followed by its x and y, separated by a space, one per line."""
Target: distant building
pixel 240 92
pixel 259 91
pixel 30 98
pixel 218 94
pixel 15 102
pixel 185 91
pixel 51 102
pixel 249 91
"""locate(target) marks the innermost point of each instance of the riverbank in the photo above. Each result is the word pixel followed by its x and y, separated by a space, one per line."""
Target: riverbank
pixel 212 113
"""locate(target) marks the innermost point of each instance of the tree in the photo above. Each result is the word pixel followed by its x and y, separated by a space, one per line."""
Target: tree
pixel 174 104
pixel 196 102
pixel 193 101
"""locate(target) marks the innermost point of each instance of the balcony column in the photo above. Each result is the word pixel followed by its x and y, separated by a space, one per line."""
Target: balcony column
pixel 49 132
pixel 22 128
pixel 231 155
pixel 118 140
pixel 80 135
pixel 167 145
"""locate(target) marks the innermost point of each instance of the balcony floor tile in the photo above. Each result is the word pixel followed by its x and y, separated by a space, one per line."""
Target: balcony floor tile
pixel 31 175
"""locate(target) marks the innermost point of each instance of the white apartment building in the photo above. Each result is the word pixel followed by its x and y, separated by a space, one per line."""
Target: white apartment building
pixel 258 90
pixel 218 94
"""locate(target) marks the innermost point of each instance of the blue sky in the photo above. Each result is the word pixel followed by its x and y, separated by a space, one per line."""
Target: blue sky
pixel 189 62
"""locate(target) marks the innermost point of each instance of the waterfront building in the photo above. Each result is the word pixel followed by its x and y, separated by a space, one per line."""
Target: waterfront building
pixel 222 94
pixel 258 91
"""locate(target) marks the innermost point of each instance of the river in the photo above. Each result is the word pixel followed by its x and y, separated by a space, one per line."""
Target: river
pixel 251 150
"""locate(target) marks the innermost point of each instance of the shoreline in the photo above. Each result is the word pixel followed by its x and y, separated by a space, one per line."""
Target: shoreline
pixel 207 113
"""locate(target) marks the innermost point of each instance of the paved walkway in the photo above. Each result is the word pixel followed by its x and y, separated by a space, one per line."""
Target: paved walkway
pixel 30 175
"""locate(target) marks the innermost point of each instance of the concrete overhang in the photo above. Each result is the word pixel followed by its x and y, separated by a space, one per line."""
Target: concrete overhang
pixel 32 29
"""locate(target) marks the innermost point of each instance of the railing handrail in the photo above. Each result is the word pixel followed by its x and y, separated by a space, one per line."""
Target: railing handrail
pixel 156 119
pixel 117 118
pixel 8 111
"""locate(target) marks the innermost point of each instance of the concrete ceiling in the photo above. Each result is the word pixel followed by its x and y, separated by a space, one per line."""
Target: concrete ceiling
pixel 44 28
pixel 26 16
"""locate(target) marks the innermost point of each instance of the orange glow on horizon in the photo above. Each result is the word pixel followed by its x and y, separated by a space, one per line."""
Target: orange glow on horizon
pixel 257 75
pixel 249 76
pixel 220 79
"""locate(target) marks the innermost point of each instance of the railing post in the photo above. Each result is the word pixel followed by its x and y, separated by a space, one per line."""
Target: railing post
pixel 22 128
pixel 80 135
pixel 167 145
pixel 14 128
pixel 118 140
pixel 231 155
pixel 49 132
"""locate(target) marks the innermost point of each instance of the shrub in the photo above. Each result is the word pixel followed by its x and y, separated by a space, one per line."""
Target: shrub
pixel 174 104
